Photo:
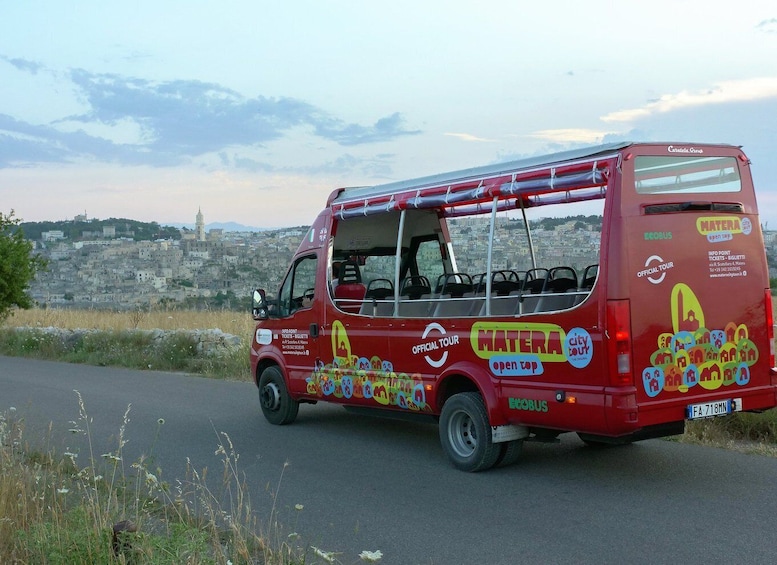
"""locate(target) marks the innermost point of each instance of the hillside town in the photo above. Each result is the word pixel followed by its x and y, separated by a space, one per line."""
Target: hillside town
pixel 109 269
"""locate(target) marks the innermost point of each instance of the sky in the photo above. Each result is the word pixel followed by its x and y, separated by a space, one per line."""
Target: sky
pixel 254 111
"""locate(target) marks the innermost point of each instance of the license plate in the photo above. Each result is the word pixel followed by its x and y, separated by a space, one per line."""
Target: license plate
pixel 708 409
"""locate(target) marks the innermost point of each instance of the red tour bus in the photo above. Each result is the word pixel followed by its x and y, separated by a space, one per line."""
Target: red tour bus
pixel 439 296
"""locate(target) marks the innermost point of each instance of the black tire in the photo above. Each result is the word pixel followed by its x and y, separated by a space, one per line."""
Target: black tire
pixel 277 406
pixel 509 452
pixel 465 433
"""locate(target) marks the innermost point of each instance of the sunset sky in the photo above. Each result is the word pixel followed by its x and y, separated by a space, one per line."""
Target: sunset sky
pixel 254 111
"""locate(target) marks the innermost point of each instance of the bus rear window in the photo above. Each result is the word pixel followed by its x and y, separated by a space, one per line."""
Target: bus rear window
pixel 685 174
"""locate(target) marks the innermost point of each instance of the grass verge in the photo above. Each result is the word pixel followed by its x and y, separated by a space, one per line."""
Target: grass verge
pixel 179 351
pixel 158 340
pixel 748 432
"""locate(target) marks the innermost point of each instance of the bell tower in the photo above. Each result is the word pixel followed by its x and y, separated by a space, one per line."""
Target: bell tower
pixel 200 225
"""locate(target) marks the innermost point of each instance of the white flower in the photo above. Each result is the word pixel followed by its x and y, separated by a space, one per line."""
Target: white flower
pixel 327 556
pixel 293 536
pixel 161 421
pixel 298 507
pixel 151 479
pixel 371 556
pixel 63 490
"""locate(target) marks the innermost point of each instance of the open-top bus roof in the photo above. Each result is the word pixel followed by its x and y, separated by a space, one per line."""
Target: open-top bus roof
pixel 471 191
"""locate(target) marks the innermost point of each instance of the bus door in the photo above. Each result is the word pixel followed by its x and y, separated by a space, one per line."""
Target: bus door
pixel 355 347
pixel 299 327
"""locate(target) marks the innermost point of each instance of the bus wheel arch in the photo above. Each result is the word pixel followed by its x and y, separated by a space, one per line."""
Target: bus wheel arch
pixel 467 377
pixel 454 384
pixel 261 365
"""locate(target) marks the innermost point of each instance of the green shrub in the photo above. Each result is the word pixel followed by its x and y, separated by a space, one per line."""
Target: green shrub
pixel 174 351
pixel 69 539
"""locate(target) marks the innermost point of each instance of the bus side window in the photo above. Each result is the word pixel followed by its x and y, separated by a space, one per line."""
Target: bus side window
pixel 297 290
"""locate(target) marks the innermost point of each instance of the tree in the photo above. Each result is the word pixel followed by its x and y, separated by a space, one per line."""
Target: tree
pixel 17 266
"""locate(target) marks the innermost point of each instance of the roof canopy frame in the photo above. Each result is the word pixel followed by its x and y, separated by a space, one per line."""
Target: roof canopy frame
pixel 467 193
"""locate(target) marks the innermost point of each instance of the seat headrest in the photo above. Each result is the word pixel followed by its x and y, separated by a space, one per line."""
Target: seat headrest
pixel 349 273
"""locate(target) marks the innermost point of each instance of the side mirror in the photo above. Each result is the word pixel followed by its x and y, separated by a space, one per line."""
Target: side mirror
pixel 259 308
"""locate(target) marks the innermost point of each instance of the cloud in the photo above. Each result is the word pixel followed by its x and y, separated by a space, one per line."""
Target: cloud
pixel 385 129
pixel 23 144
pixel 23 64
pixel 137 121
pixel 469 137
pixel 768 26
pixel 185 118
pixel 570 135
pixel 378 166
pixel 722 93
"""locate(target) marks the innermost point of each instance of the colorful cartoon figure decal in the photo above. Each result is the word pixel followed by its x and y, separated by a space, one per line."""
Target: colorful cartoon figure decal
pixel 350 376
pixel 694 355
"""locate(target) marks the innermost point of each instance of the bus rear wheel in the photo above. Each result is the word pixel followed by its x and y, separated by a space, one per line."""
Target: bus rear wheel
pixel 465 433
pixel 277 406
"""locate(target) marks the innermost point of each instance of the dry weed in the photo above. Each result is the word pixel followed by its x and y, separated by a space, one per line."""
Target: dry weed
pixel 235 323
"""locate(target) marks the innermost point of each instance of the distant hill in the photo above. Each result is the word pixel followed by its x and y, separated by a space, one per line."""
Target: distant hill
pixel 580 222
pixel 139 231
pixel 90 229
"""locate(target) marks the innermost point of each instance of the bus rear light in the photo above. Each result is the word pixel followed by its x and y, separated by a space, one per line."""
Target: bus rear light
pixel 619 342
pixel 624 364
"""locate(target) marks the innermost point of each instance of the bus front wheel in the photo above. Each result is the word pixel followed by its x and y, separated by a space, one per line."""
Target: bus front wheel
pixel 277 406
pixel 465 433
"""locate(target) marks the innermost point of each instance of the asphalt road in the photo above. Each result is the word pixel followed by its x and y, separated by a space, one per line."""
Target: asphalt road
pixel 377 484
